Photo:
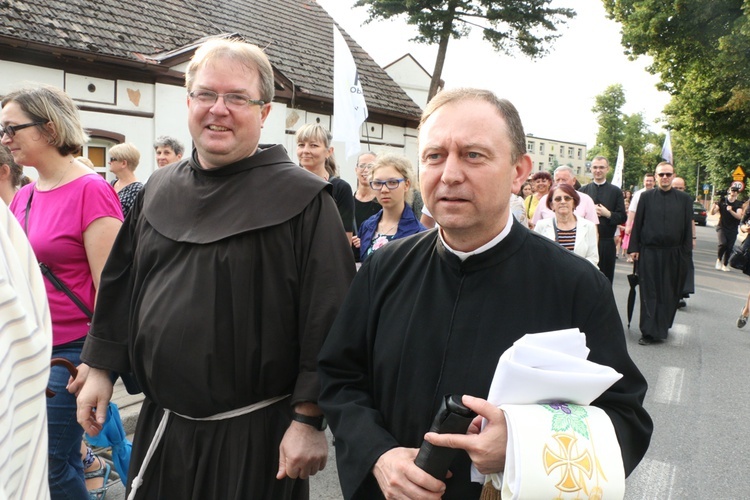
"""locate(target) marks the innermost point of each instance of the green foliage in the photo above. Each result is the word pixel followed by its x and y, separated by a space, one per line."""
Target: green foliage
pixel 640 146
pixel 701 51
pixel 526 25
pixel 611 124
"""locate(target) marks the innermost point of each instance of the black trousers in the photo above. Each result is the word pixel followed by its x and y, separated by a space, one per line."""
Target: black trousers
pixel 607 253
pixel 726 244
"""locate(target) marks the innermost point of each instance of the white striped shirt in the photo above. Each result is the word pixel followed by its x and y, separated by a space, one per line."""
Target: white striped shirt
pixel 25 350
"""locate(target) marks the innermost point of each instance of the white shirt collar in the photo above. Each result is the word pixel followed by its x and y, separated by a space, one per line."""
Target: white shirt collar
pixel 494 241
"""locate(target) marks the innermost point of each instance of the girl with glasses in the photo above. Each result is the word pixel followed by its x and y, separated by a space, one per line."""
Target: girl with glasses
pixel 574 233
pixel 391 179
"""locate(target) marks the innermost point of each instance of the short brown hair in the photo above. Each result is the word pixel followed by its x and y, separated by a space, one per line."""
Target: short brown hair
pixel 505 109
pixel 567 189
pixel 239 52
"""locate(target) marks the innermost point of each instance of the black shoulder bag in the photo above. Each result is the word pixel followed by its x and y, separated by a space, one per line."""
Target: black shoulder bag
pixel 131 384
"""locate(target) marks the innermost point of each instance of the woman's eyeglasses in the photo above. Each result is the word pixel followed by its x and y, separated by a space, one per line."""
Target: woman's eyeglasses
pixel 390 184
pixel 561 198
pixel 11 130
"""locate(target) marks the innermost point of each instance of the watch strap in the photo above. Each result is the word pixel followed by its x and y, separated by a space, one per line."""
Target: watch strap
pixel 318 423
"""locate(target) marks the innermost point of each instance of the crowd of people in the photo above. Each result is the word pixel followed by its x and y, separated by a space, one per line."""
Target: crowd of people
pixel 272 299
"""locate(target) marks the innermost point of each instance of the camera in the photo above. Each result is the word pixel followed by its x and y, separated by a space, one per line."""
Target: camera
pixel 452 418
pixel 722 196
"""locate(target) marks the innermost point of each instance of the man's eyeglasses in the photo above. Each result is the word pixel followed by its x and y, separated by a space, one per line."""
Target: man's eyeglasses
pixel 561 198
pixel 231 100
pixel 679 188
pixel 113 159
pixel 11 130
pixel 364 166
pixel 390 184
pixel 665 174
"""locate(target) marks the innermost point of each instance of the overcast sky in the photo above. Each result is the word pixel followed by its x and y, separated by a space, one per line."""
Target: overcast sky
pixel 554 94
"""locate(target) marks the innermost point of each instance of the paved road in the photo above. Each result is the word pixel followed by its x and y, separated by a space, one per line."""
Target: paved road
pixel 698 393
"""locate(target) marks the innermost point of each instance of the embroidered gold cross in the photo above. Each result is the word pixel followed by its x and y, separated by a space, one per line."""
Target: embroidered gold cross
pixel 569 464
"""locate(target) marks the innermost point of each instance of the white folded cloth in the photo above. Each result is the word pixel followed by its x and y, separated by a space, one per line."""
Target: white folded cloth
pixel 551 367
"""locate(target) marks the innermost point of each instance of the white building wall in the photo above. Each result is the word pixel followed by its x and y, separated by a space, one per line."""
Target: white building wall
pixel 544 152
pixel 411 78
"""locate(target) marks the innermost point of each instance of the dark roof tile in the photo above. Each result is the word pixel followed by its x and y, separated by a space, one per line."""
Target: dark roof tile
pixel 296 34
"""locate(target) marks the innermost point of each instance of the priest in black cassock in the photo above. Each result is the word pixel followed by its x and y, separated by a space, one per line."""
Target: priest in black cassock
pixel 661 241
pixel 610 207
pixel 431 314
pixel 217 295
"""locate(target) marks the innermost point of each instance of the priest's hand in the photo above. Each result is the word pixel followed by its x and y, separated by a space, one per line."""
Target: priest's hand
pixel 93 400
pixel 486 447
pixel 634 255
pixel 399 477
pixel 303 452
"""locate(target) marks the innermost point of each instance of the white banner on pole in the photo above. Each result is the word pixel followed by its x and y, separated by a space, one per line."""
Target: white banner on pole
pixel 617 176
pixel 666 150
pixel 349 107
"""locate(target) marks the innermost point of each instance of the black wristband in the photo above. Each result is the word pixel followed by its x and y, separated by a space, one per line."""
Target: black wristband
pixel 320 423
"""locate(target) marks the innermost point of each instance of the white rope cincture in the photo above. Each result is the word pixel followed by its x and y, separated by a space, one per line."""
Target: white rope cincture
pixel 138 480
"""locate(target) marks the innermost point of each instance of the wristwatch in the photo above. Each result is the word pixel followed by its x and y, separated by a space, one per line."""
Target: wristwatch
pixel 320 423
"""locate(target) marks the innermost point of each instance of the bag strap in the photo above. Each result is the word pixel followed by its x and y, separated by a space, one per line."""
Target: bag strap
pixel 26 213
pixel 47 272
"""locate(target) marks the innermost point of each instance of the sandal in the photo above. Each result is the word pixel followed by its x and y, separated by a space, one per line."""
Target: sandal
pixel 103 472
pixel 741 321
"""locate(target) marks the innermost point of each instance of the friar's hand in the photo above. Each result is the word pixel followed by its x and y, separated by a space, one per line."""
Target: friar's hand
pixel 75 384
pixel 93 400
pixel 400 478
pixel 485 448
pixel 303 451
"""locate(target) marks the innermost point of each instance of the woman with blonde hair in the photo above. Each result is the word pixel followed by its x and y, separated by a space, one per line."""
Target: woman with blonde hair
pixel 123 160
pixel 391 178
pixel 315 154
pixel 71 217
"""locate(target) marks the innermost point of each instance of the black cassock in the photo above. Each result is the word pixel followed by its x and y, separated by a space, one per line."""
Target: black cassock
pixel 418 324
pixel 219 291
pixel 663 236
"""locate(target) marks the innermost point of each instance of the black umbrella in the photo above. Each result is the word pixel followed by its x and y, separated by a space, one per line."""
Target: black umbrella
pixel 633 280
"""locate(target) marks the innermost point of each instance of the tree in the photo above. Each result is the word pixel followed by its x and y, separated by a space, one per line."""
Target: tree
pixel 700 51
pixel 527 25
pixel 640 146
pixel 642 149
pixel 608 107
